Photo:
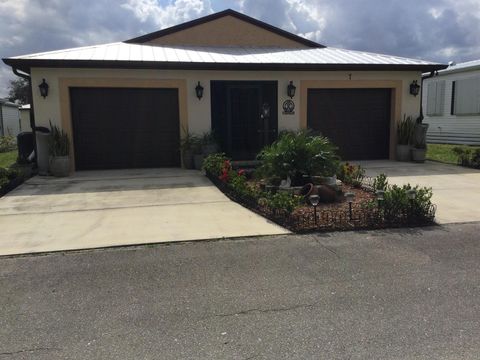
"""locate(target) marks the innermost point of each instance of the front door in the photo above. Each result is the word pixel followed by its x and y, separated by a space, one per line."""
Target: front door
pixel 244 116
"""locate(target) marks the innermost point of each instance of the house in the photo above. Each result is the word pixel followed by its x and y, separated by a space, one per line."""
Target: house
pixel 127 104
pixel 25 118
pixel 451 101
pixel 9 118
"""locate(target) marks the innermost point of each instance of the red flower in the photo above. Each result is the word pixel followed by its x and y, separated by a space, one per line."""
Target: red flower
pixel 241 172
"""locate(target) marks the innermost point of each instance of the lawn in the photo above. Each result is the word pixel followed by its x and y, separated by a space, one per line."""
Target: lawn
pixel 8 158
pixel 444 153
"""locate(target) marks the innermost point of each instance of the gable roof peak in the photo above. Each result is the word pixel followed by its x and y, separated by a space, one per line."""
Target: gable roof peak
pixel 218 15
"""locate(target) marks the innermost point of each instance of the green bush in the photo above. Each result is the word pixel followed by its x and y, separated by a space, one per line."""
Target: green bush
pixel 214 163
pixel 380 182
pixel 296 154
pixel 7 143
pixel 467 157
pixel 352 175
pixel 282 201
pixel 396 203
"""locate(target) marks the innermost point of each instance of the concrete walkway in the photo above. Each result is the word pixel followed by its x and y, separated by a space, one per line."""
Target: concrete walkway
pixel 456 190
pixel 112 208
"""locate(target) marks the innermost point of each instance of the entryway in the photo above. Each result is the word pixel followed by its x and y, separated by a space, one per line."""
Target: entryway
pixel 244 116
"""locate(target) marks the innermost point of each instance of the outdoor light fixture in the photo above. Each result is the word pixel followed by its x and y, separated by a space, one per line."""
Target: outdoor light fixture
pixel 43 89
pixel 350 196
pixel 314 200
pixel 291 90
pixel 199 91
pixel 414 88
pixel 380 194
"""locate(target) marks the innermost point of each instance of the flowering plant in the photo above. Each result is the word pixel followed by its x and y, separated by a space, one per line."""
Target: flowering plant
pixel 351 174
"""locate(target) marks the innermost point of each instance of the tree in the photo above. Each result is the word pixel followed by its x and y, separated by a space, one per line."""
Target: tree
pixel 18 91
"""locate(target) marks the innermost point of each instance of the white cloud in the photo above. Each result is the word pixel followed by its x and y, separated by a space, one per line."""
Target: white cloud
pixel 173 13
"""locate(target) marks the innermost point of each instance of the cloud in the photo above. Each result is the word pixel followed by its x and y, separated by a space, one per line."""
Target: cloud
pixel 439 30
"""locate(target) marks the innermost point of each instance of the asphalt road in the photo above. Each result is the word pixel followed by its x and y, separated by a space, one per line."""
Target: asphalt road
pixel 406 294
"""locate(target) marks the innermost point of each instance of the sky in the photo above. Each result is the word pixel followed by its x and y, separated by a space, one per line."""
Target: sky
pixel 436 30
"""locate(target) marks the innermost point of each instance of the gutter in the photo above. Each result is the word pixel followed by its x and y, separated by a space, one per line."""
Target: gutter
pixel 32 112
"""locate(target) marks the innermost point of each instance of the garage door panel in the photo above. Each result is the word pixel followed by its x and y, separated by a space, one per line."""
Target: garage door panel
pixel 125 128
pixel 356 120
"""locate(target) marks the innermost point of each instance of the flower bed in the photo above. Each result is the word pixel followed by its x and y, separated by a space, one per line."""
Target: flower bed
pixel 296 214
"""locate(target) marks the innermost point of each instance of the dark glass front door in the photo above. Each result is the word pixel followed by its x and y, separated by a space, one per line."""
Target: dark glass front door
pixel 244 116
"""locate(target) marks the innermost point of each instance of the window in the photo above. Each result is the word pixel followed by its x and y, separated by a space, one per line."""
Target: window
pixel 435 97
pixel 466 99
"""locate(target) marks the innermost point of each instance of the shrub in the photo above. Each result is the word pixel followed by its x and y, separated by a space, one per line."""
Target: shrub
pixel 467 157
pixel 296 154
pixel 380 182
pixel 283 201
pixel 214 163
pixel 351 174
pixel 396 203
pixel 7 143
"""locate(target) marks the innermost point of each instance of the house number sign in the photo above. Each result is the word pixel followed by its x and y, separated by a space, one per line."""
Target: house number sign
pixel 288 107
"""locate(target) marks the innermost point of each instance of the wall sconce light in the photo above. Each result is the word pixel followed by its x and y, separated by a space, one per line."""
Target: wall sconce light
pixel 414 88
pixel 43 89
pixel 199 91
pixel 291 90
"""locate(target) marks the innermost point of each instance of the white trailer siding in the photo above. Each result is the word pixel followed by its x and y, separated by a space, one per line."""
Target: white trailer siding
pixel 446 127
pixel 10 117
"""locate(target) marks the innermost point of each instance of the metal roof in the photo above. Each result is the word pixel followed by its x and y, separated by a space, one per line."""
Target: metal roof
pixel 121 52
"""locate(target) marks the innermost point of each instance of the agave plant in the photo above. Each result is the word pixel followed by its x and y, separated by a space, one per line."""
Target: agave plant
pixel 405 130
pixel 59 144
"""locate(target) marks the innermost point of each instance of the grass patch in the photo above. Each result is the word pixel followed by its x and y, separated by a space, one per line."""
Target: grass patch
pixel 444 153
pixel 8 158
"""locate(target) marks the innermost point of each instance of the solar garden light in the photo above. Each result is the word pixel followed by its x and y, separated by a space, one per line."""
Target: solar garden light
pixel 380 194
pixel 411 194
pixel 314 200
pixel 350 196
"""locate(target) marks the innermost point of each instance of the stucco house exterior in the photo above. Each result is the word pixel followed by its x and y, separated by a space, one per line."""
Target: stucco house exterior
pixel 451 99
pixel 127 104
pixel 9 118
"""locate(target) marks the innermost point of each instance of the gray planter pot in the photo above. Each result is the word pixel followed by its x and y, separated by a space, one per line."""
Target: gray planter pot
pixel 187 158
pixel 210 149
pixel 403 152
pixel 60 166
pixel 198 161
pixel 418 155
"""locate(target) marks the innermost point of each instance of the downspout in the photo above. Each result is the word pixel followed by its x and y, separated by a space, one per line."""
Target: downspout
pixel 32 112
pixel 432 74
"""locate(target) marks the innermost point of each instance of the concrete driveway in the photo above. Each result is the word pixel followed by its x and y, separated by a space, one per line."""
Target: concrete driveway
pixel 456 190
pixel 123 207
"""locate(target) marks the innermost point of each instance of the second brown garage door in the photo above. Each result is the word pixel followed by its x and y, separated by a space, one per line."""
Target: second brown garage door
pixel 355 120
pixel 118 128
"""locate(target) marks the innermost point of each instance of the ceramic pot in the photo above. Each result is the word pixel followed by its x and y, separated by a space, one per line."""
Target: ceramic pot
pixel 59 166
pixel 419 155
pixel 403 152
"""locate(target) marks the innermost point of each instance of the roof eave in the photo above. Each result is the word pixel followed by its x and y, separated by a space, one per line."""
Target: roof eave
pixel 27 64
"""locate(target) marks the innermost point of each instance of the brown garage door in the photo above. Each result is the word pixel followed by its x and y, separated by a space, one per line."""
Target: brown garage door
pixel 356 120
pixel 118 128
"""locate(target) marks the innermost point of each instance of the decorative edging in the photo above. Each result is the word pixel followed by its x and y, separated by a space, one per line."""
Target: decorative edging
pixel 363 217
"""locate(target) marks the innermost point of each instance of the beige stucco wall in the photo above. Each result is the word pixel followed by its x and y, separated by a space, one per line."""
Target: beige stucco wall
pixel 198 111
pixel 226 31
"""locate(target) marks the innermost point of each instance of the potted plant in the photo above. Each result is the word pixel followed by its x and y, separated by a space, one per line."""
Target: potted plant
pixel 59 150
pixel 419 149
pixel 188 145
pixel 404 137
